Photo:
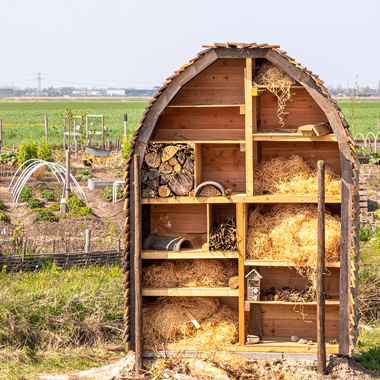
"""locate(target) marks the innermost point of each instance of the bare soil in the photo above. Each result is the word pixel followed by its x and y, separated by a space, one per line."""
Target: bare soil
pixel 105 221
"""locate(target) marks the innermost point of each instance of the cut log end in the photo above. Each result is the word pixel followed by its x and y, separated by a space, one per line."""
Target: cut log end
pixel 181 184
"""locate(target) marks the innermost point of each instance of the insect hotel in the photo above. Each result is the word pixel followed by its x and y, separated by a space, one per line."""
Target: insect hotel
pixel 223 167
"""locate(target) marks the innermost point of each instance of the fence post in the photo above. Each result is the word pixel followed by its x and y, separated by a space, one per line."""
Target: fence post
pixel 53 246
pixel 87 247
pixel 46 129
pixel 1 134
pixel 125 124
pixel 64 207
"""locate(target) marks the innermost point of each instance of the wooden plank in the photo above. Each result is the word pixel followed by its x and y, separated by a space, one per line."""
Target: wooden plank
pixel 241 53
pixel 198 165
pixel 321 255
pixel 204 106
pixel 241 198
pixel 241 220
pixel 188 254
pixel 249 160
pixel 200 141
pixel 255 320
pixel 210 219
pixel 267 344
pixel 190 292
pixel 138 266
pixel 345 256
pixel 296 137
pixel 199 135
pixel 278 263
pixel 330 302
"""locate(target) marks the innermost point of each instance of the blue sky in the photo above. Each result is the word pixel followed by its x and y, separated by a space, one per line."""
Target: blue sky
pixel 140 43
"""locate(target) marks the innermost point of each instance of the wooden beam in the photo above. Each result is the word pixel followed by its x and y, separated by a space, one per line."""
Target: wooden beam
pixel 241 218
pixel 241 53
pixel 345 257
pixel 321 342
pixel 249 159
pixel 138 267
pixel 188 254
pixel 198 164
pixel 190 292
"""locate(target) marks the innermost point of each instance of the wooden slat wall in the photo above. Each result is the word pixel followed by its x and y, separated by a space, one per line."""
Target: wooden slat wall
pixel 224 163
pixel 302 110
pixel 188 221
pixel 280 277
pixel 300 320
pixel 220 83
pixel 201 124
pixel 327 151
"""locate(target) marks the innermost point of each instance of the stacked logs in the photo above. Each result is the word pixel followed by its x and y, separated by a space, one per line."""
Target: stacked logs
pixel 223 236
pixel 167 170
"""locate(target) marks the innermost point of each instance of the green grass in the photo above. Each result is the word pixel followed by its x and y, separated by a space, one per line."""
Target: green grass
pixel 55 320
pixel 366 116
pixel 24 118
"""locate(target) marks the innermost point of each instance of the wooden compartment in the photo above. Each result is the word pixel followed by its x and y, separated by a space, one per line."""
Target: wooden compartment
pixel 188 221
pixel 224 163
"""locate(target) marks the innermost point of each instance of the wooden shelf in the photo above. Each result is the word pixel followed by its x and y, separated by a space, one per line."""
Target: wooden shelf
pixel 190 292
pixel 292 137
pixel 199 141
pixel 263 87
pixel 278 263
pixel 267 344
pixel 242 198
pixel 188 254
pixel 286 303
pixel 205 105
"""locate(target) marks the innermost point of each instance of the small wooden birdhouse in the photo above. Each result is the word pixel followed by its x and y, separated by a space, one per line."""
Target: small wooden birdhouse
pixel 253 285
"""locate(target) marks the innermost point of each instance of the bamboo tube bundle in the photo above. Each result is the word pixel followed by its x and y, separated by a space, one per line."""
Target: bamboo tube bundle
pixel 167 170
pixel 223 236
pixel 285 176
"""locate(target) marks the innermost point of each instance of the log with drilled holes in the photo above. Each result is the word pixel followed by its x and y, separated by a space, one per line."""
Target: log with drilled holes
pixel 167 170
pixel 223 236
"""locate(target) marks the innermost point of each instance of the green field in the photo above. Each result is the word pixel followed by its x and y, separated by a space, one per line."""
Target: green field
pixel 24 118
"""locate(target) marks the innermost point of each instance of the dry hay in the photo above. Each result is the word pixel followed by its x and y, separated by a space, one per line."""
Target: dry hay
pixel 166 321
pixel 292 175
pixel 210 273
pixel 278 83
pixel 290 233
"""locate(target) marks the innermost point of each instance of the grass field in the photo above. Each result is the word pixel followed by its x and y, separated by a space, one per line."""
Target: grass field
pixel 23 118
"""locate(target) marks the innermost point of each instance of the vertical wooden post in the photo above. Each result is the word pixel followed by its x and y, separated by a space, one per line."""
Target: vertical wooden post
pixel 87 128
pixel 53 246
pixel 138 264
pixel 46 129
pixel 87 247
pixel 125 125
pixel 1 134
pixel 118 245
pixel 321 353
pixel 250 127
pixel 64 207
pixel 103 130
pixel 64 133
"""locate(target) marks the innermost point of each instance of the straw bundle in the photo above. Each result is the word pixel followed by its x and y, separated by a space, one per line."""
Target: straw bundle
pixel 292 176
pixel 189 273
pixel 278 83
pixel 290 232
pixel 166 321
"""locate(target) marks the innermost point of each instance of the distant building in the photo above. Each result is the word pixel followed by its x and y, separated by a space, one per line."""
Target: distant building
pixel 4 92
pixel 116 92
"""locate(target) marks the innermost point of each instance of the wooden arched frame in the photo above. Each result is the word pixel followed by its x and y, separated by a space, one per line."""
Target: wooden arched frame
pixel 177 82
